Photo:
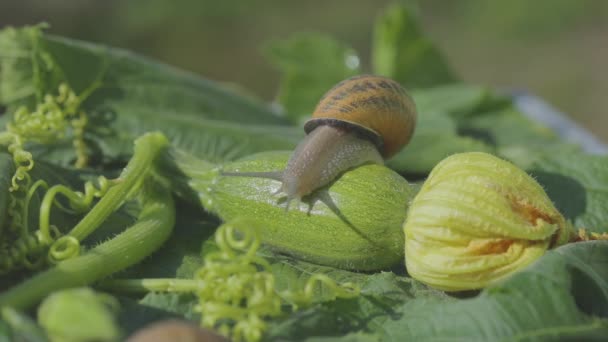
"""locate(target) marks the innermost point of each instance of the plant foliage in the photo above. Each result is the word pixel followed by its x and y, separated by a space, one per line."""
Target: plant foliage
pixel 80 201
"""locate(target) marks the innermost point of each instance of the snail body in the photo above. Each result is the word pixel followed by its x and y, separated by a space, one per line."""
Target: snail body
pixel 321 156
pixel 363 119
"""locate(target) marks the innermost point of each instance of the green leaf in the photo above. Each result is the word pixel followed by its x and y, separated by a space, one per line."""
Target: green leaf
pixel 400 51
pixel 311 64
pixel 507 127
pixel 555 298
pixel 577 184
pixel 123 75
pixel 26 70
pixel 212 140
pixel 380 294
pixel 133 315
pixel 132 95
pixel 177 303
pixel 435 138
pixel 292 274
pixel 460 100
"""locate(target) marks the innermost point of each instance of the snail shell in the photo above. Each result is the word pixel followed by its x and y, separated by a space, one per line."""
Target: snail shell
pixel 378 108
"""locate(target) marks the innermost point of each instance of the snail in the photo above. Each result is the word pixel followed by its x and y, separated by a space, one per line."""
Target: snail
pixel 360 120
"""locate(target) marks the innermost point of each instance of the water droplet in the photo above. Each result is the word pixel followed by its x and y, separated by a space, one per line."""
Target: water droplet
pixel 352 61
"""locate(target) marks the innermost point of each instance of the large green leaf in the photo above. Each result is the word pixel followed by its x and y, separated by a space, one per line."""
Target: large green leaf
pixel 132 95
pixel 577 184
pixel 402 52
pixel 459 100
pixel 435 138
pixel 123 75
pixel 213 140
pixel 381 294
pixel 507 127
pixel 311 64
pixel 564 295
pixel 27 71
pixel 182 304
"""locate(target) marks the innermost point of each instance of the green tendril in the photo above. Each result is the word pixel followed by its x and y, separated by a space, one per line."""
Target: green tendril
pixel 79 202
pixel 80 146
pixel 237 291
pixel 64 248
pixel 152 228
pixel 236 288
pixel 49 244
pixel 27 250
pixel 50 122
pixel 306 298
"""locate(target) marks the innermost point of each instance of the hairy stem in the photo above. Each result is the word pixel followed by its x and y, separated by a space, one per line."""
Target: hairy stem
pixel 147 149
pixel 149 285
pixel 153 227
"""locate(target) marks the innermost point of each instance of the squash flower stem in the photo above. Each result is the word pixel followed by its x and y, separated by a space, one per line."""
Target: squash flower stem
pixel 154 225
pixel 152 228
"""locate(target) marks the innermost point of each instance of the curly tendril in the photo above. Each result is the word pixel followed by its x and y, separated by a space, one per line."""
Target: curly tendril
pixel 64 248
pixel 28 249
pixel 305 298
pixel 23 164
pixel 237 288
pixel 79 202
pixel 51 121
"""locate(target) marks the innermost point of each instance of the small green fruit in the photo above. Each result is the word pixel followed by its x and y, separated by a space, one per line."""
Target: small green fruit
pixel 79 314
pixel 476 220
pixel 353 223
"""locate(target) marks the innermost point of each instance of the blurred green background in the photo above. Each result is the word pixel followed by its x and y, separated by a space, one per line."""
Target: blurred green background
pixel 557 49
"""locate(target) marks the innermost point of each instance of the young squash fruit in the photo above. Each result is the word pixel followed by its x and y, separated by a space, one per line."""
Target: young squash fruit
pixel 477 219
pixel 352 223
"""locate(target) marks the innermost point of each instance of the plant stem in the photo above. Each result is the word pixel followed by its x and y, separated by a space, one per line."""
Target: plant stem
pixel 149 285
pixel 153 227
pixel 147 149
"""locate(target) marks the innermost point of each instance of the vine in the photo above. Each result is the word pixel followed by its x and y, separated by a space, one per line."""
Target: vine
pixel 236 287
pixel 51 121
